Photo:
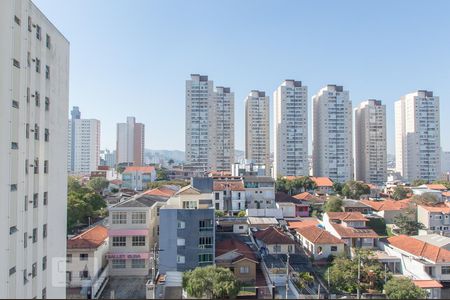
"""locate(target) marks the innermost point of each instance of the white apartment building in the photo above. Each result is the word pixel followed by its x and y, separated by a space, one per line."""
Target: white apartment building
pixel 417 136
pixel 209 126
pixel 370 142
pixel 83 144
pixel 332 134
pixel 130 142
pixel 291 129
pixel 34 93
pixel 257 130
pixel 224 129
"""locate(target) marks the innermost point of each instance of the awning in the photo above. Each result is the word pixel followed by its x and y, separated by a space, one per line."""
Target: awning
pixel 127 232
pixel 127 255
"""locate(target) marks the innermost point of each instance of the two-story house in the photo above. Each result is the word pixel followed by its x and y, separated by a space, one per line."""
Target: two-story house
pixel 351 227
pixel 291 206
pixel 324 185
pixel 229 195
pixel 390 209
pixel 137 177
pixel 259 191
pixel 436 217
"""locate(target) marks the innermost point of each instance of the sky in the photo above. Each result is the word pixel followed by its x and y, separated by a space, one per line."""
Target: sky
pixel 132 58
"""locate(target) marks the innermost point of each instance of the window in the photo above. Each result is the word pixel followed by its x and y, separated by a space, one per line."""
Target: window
pixel 36 166
pixel 35 200
pixel 118 263
pixel 36 132
pixel 14 146
pixel 205 258
pixel 48 41
pixel 38 32
pixel 138 263
pixel 69 258
pixel 190 204
pixel 445 270
pixel 276 248
pixel 25 239
pixel 181 242
pixel 45 166
pixel 44 293
pixel 244 270
pixel 25 276
pixel 12 229
pixel 46 135
pixel 217 206
pixel 217 196
pixel 138 240
pixel 333 248
pixel 119 218
pixel 181 224
pixel 13 187
pixel 84 274
pixel 205 242
pixel 68 276
pixel 157 210
pixel 25 206
pixel 44 263
pixel 45 198
pixel 206 225
pixel 27 131
pixel 15 104
pixel 119 241
pixel 12 271
pixel 28 95
pixel 47 104
pixel 47 72
pixel 16 63
pixel 34 270
pixel 28 59
pixel 44 231
pixel 29 24
pixel 38 65
pixel 84 256
pixel 37 98
pixel 180 259
pixel 138 217
pixel 34 235
pixel 17 20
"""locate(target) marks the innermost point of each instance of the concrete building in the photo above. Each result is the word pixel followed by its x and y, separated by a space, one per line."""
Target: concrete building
pixel 130 142
pixel 257 130
pixel 209 126
pixel 417 136
pixel 259 192
pixel 445 162
pixel 108 158
pixel 332 134
pixel 34 93
pixel 291 129
pixel 83 144
pixel 370 142
pixel 137 178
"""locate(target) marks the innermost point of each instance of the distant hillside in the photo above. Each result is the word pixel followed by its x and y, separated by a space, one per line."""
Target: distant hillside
pixel 177 155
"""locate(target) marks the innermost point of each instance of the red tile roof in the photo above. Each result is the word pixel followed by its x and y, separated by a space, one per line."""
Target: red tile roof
pixel 161 191
pixel 436 186
pixel 272 236
pixel 346 216
pixel 446 194
pixel 317 235
pixel 237 246
pixel 350 232
pixel 116 182
pixel 420 248
pixel 305 196
pixel 285 198
pixel 89 239
pixel 221 185
pixel 439 208
pixel 322 181
pixel 144 169
pixel 427 284
pixel 387 204
pixel 302 223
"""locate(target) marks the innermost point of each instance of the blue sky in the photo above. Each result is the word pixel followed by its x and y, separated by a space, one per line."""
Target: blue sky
pixel 131 58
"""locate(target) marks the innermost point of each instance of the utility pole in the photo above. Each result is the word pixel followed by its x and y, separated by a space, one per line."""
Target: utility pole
pixel 318 292
pixel 287 275
pixel 385 273
pixel 328 278
pixel 359 277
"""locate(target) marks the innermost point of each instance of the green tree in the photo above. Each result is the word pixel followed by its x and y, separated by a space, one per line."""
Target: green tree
pixel 302 279
pixel 171 162
pixel 337 187
pixel 400 193
pixel 425 199
pixel 73 184
pixel 211 282
pixel 333 204
pixel 219 214
pixel 407 226
pixel 98 184
pixel 418 182
pixel 281 185
pixel 355 189
pixel 161 174
pixel 403 288
pixel 241 214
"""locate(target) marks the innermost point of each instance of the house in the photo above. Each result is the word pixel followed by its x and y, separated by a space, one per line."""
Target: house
pixel 349 205
pixel 324 185
pixel 273 241
pixel 446 196
pixel 419 260
pixel 86 264
pixel 259 192
pixel 303 222
pixel 389 209
pixel 229 195
pixel 234 254
pixel 435 239
pixel 312 200
pixel 435 186
pixel 351 227
pixel 163 191
pixel 318 242
pixel 132 233
pixel 436 217
pixel 423 189
pixel 432 287
pixel 261 222
pixel 291 206
pixel 137 178
pixel 232 224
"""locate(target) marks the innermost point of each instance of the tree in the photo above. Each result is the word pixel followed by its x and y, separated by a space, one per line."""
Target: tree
pixel 344 273
pixel 355 189
pixel 400 193
pixel 425 199
pixel 333 204
pixel 211 282
pixel 418 182
pixel 73 184
pixel 281 185
pixel 171 162
pixel 120 169
pixel 302 279
pixel 407 226
pixel 241 214
pixel 296 185
pixel 161 174
pixel 337 187
pixel 403 288
pixel 219 214
pixel 98 184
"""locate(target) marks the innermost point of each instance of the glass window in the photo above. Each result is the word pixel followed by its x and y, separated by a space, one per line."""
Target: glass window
pixel 180 259
pixel 119 218
pixel 34 270
pixel 445 270
pixel 138 217
pixel 118 264
pixel 206 225
pixel 333 248
pixel 69 258
pixel 138 240
pixel 84 256
pixel 181 242
pixel 205 242
pixel 119 241
pixel 138 263
pixel 44 263
pixel 244 270
pixel 205 258
pixel 181 224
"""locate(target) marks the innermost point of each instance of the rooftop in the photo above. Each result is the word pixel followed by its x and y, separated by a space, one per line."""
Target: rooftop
pixel 433 239
pixel 350 232
pixel 322 181
pixel 427 284
pixel 89 239
pixel 235 185
pixel 237 246
pixel 262 221
pixel 354 203
pixel 285 198
pixel 272 235
pixel 437 208
pixel 141 200
pixel 306 222
pixel 387 204
pixel 346 216
pixel 419 248
pixel 144 169
pixel 317 235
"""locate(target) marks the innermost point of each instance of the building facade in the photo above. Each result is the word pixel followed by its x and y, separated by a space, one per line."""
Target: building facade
pixel 291 129
pixel 130 142
pixel 224 129
pixel 257 129
pixel 34 93
pixel 83 144
pixel 138 178
pixel 370 142
pixel 332 134
pixel 417 136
